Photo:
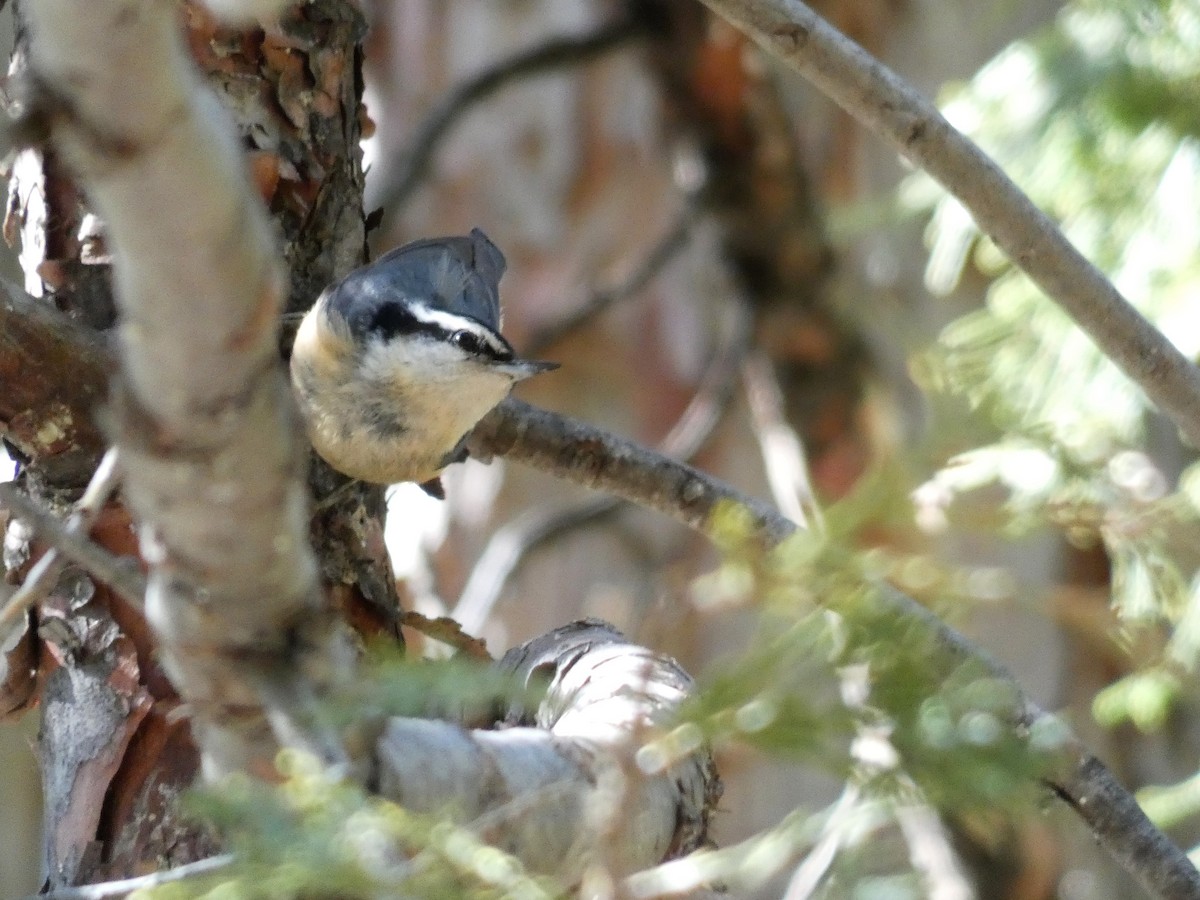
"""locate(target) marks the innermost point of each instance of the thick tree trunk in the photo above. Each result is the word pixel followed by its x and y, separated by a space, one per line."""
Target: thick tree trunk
pixel 115 752
pixel 208 449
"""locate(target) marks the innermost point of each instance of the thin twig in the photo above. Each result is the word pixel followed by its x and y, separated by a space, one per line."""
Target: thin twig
pixel 508 549
pixel 671 243
pixel 773 851
pixel 594 458
pixel 783 454
pixel 895 111
pixel 549 56
pixel 129 583
pixel 812 870
pixel 931 853
pixel 41 578
pixel 511 545
pixel 109 889
pixel 448 631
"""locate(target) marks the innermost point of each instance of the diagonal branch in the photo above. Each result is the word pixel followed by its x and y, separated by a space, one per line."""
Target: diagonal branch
pixel 570 757
pixel 894 110
pixel 549 56
pixel 586 455
pixel 512 544
pixel 594 458
pixel 673 241
pixel 42 577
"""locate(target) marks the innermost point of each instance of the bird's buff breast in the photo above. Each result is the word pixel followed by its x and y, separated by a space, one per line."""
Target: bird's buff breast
pixel 387 433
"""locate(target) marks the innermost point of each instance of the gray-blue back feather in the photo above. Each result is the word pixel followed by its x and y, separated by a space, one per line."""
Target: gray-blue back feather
pixel 457 274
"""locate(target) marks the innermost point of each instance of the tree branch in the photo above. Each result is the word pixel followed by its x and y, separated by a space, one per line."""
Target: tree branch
pixel 67 540
pixel 882 101
pixel 54 372
pixel 108 889
pixel 202 418
pixel 585 455
pixel 601 299
pixel 510 546
pixel 604 695
pixel 594 458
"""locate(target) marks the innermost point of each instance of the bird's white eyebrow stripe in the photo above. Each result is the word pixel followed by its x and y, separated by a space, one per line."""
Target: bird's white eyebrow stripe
pixel 443 319
pixel 452 322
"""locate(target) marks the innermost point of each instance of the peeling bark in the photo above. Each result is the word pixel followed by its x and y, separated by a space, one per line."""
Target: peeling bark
pixel 563 792
pixel 54 373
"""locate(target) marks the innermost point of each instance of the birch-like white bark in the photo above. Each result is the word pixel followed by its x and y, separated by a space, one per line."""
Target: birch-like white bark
pixel 570 790
pixel 213 458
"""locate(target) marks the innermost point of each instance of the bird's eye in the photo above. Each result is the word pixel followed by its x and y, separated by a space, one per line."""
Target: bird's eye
pixel 466 342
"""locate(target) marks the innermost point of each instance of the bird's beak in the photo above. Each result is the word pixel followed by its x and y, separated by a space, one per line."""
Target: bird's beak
pixel 520 369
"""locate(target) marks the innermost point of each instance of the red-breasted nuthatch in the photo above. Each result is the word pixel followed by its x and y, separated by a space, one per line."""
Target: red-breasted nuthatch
pixel 395 364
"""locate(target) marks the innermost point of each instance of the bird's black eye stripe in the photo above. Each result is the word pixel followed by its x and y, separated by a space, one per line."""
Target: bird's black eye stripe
pixel 390 319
